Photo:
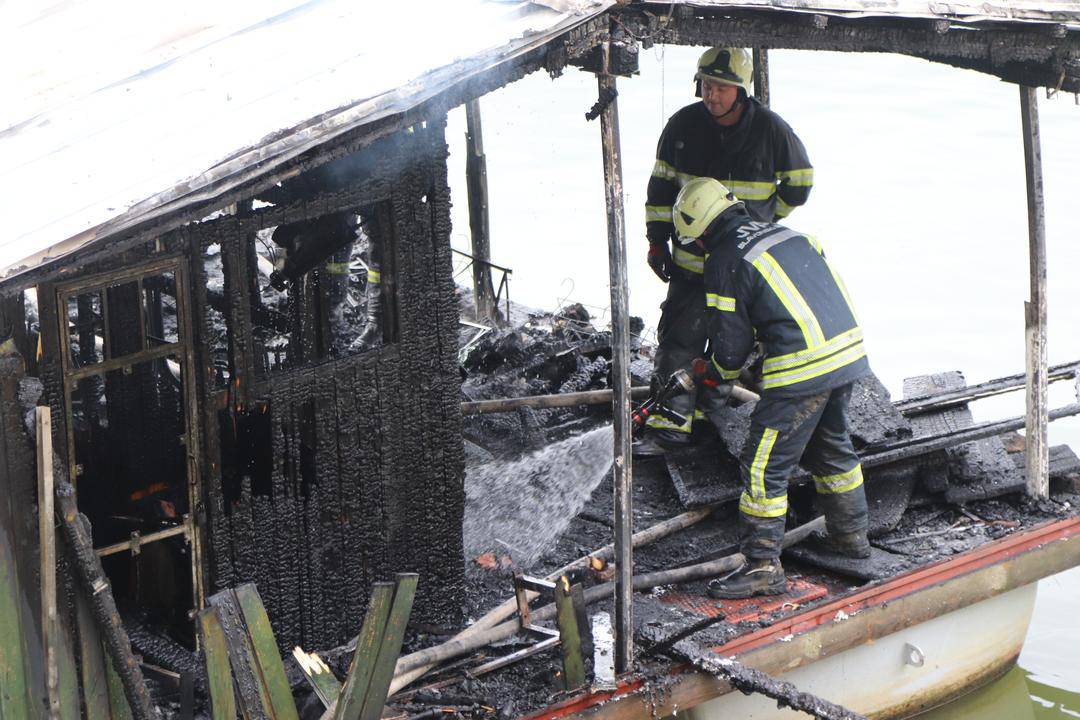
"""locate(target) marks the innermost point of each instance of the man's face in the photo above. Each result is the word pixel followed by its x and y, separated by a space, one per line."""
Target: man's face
pixel 718 98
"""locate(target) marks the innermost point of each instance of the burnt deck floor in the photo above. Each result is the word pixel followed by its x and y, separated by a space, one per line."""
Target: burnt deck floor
pixel 926 528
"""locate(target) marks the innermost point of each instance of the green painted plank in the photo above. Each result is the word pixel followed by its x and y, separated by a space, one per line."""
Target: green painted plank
pixel 368 643
pixel 218 674
pixel 118 702
pixel 569 637
pixel 67 671
pixel 14 689
pixel 271 669
pixel 252 695
pixel 383 673
pixel 95 689
pixel 318 675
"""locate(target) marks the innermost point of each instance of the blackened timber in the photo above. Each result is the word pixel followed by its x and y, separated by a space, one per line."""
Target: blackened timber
pixel 620 371
pixel 99 592
pixel 937 401
pixel 1038 447
pixel 761 75
pixel 480 228
pixel 1028 56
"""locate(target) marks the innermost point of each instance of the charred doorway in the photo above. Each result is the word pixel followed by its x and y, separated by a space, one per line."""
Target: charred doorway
pixel 129 397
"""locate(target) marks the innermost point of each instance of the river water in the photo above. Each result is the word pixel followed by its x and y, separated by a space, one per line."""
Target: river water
pixel 919 200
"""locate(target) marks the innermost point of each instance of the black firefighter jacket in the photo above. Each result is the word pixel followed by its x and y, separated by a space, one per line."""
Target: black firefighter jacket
pixel 760 159
pixel 768 283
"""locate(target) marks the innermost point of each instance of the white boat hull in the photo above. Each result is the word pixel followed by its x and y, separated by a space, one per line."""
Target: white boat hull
pixel 908 671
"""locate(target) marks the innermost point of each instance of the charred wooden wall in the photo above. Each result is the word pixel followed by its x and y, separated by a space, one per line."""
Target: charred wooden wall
pixel 362 469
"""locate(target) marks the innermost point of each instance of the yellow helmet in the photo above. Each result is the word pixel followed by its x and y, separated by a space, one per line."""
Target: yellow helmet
pixel 698 204
pixel 728 66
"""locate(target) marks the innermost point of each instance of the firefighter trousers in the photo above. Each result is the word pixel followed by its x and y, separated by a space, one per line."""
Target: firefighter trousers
pixel 680 337
pixel 786 432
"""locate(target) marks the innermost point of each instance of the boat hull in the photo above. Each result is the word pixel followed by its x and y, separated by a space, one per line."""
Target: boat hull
pixel 907 672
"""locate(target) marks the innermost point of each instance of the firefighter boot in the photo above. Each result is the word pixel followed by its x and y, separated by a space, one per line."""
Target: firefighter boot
pixel 753 577
pixel 846 520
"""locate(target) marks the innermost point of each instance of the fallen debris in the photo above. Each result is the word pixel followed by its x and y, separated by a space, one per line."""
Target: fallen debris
pixel 748 680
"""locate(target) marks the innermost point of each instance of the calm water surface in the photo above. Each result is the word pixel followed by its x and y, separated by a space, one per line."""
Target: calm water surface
pixel 918 199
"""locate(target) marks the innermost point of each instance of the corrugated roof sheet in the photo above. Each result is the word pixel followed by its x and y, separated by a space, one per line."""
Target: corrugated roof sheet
pixel 114 109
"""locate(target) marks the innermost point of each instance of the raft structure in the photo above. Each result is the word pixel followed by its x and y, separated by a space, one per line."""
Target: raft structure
pixel 202 228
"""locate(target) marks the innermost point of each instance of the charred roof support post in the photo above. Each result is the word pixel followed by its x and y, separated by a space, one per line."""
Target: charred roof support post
pixel 761 75
pixel 479 227
pixel 1038 449
pixel 620 371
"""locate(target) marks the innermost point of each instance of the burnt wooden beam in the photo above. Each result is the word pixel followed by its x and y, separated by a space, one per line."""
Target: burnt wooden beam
pixel 620 371
pixel 102 605
pixel 1039 55
pixel 479 225
pixel 1038 404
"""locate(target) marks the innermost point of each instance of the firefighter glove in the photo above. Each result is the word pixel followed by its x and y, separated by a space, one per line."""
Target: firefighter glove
pixel 660 260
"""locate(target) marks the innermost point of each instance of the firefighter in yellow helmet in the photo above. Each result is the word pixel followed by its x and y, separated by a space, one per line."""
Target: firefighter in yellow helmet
pixel 766 283
pixel 731 137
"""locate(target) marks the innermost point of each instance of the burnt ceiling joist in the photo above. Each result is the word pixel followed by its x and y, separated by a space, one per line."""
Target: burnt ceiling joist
pixel 1034 54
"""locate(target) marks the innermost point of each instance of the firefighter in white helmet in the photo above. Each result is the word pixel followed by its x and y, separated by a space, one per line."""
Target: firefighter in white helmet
pixel 766 283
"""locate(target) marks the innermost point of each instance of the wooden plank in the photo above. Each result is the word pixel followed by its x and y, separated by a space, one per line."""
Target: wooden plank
pixel 1038 402
pixel 253 699
pixel 95 689
pixel 270 668
pixel 14 689
pixel 368 643
pixel 569 636
pixel 479 225
pixel 318 675
pixel 218 673
pixel 47 545
pixel 383 672
pixel 118 703
pixel 620 371
pixel 761 75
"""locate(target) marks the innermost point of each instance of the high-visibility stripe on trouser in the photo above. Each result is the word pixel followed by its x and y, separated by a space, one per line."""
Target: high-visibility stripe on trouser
pixel 659 421
pixel 840 482
pixel 838 478
pixel 780 429
pixel 680 338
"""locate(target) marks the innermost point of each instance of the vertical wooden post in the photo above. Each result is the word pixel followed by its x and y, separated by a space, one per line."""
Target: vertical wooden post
pixel 620 371
pixel 1037 448
pixel 47 540
pixel 476 181
pixel 761 75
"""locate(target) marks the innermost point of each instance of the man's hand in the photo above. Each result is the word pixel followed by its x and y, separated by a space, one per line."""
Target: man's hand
pixel 660 260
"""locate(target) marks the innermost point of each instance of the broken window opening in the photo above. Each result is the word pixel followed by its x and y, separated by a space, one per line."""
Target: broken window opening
pixel 322 290
pixel 19 327
pixel 246 438
pixel 217 336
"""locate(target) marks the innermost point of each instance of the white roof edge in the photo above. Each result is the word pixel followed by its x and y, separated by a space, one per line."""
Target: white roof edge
pixel 261 159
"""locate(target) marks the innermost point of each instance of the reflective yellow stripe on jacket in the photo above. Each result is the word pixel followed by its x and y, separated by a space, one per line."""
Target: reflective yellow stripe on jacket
pixel 801 177
pixel 790 297
pixel 815 369
pixel 667 171
pixel 720 302
pixel 658 213
pixel 688 260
